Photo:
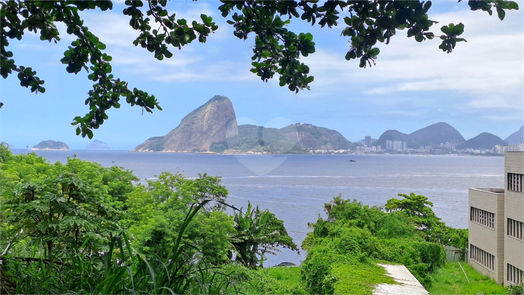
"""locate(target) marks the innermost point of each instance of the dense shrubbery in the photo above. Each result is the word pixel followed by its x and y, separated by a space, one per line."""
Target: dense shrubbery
pixel 79 227
pixel 355 233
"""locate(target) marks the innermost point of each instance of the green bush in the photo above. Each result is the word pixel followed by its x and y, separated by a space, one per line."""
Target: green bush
pixel 395 226
pixel 354 234
pixel 273 280
pixel 317 268
pixel 517 289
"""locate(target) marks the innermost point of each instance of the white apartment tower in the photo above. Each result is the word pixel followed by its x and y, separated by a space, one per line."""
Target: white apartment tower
pixel 496 225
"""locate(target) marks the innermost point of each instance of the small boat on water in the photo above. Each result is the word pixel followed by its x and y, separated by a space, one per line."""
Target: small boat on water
pixel 352 160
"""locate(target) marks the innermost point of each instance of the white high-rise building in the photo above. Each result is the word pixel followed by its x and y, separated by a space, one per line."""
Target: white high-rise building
pixel 389 145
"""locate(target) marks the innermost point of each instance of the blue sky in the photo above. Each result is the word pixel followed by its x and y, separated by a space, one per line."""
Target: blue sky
pixel 477 88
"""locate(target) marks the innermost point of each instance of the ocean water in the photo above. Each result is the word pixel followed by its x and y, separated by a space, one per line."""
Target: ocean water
pixel 295 187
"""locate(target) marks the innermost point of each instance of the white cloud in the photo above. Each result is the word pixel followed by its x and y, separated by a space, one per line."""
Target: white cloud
pixel 197 8
pixel 220 71
pixel 516 118
pixel 488 68
pixel 497 102
pixel 30 46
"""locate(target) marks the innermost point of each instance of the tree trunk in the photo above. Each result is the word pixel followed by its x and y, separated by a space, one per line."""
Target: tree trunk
pixel 49 249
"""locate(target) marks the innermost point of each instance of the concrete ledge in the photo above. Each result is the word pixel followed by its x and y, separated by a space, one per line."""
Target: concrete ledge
pixel 409 285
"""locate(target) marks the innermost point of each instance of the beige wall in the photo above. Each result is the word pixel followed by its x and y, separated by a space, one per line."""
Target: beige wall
pixel 488 239
pixel 514 209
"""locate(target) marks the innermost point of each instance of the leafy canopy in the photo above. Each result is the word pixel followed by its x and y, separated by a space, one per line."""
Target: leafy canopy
pixel 61 208
pixel 276 50
pixel 157 211
pixel 257 233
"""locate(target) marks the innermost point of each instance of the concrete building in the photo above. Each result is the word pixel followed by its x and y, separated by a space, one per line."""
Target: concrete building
pixel 486 231
pixel 514 217
pixel 496 225
pixel 499 149
pixel 367 141
pixel 389 145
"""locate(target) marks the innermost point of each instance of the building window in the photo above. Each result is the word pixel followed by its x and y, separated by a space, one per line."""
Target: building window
pixel 482 217
pixel 482 257
pixel 515 229
pixel 515 182
pixel 514 275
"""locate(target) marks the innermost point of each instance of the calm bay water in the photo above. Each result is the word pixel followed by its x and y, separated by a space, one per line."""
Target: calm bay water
pixel 295 187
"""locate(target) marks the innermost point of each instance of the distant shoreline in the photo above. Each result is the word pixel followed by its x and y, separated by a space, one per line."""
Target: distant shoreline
pixel 262 154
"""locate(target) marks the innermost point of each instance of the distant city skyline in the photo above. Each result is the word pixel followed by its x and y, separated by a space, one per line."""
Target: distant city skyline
pixel 477 88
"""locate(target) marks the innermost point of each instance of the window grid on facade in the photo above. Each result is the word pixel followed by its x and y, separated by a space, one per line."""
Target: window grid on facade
pixel 482 257
pixel 482 217
pixel 514 275
pixel 515 182
pixel 515 229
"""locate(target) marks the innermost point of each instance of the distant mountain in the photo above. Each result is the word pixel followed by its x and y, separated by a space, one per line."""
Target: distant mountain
pixel 252 138
pixel 214 121
pixel 431 135
pixel 436 134
pixel 484 140
pixel 51 145
pixel 516 137
pixel 392 135
pixel 295 138
pixel 97 145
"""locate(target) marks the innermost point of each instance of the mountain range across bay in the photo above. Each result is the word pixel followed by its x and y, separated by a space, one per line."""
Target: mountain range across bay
pixel 213 128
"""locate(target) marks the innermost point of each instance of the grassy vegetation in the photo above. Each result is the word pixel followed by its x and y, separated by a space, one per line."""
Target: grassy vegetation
pixel 360 278
pixel 450 279
pixel 274 280
pixel 356 278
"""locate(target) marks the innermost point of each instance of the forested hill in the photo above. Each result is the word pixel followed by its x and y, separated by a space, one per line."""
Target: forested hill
pixel 484 140
pixel 431 135
pixel 295 138
pixel 51 145
pixel 436 134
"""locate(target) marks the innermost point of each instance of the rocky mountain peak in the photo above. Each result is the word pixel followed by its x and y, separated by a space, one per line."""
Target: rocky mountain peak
pixel 214 121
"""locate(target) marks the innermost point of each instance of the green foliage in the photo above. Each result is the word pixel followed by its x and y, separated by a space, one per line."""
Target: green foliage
pixel 356 233
pixel 417 208
pixel 276 50
pixel 328 270
pixel 156 212
pixel 395 227
pixel 273 280
pixel 119 270
pixel 420 257
pixel 517 289
pixel 450 279
pixel 317 268
pixel 61 209
pixel 257 233
pixel 61 213
pixel 456 237
pixel 358 278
